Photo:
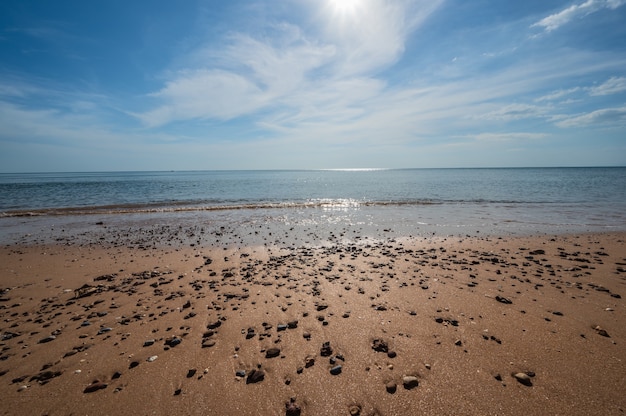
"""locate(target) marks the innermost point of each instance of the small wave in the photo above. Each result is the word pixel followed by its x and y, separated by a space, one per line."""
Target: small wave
pixel 326 204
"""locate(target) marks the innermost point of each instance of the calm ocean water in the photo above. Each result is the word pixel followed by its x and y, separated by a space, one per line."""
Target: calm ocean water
pixel 449 201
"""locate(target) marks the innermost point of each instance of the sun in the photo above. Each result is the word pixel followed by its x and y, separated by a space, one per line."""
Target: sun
pixel 344 6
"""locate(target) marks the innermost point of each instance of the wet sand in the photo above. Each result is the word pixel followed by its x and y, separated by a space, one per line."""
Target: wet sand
pixel 433 326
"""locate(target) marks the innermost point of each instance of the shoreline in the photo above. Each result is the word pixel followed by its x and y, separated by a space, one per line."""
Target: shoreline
pixel 426 312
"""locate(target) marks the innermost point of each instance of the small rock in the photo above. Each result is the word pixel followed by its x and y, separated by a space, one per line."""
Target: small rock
pixel 410 382
pixel 309 361
pixel 326 350
pixel 191 372
pixel 240 373
pixel 391 387
pixel 504 300
pixel 336 370
pixel 148 342
pixel 380 346
pixel 272 352
pixel 208 343
pixel 458 343
pixel 95 386
pixel 391 354
pixel 173 341
pixel 523 378
pixel 291 408
pixel 152 358
pixel 47 339
pixel 600 331
pixel 250 333
pixel 255 376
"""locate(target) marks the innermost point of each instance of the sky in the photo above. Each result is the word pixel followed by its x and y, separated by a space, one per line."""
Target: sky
pixel 311 84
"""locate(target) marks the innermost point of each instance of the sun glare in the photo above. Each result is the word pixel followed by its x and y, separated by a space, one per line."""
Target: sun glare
pixel 344 6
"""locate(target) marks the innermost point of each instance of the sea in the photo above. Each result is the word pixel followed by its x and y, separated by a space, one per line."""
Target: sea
pixel 313 206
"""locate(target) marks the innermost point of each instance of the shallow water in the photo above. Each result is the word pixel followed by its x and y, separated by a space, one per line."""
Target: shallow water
pixel 314 205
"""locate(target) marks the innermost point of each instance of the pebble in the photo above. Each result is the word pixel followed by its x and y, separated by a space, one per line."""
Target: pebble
pixel 326 350
pixel 255 376
pixel 148 342
pixel 173 341
pixel 391 387
pixel 523 378
pixel 380 346
pixel 272 352
pixel 291 408
pixel 47 339
pixel 336 370
pixel 208 343
pixel 95 386
pixel 152 358
pixel 309 361
pixel 410 382
pixel 601 331
pixel 504 300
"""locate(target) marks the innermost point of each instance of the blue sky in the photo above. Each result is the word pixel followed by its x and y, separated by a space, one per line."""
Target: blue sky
pixel 161 85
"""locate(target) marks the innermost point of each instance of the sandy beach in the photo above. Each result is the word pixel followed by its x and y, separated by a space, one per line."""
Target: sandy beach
pixel 432 326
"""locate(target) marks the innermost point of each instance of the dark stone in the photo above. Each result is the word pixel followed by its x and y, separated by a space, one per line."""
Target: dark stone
pixel 326 350
pixel 391 354
pixel 336 370
pixel 523 378
pixel 410 382
pixel 208 343
pixel 47 339
pixel 391 387
pixel 191 372
pixel 45 376
pixel 250 333
pixel 95 386
pixel 272 352
pixel 173 341
pixel 292 409
pixel 504 300
pixel 255 376
pixel 379 345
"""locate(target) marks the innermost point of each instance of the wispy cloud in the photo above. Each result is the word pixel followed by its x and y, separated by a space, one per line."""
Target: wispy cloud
pixel 556 20
pixel 333 66
pixel 613 86
pixel 556 95
pixel 607 117
pixel 515 112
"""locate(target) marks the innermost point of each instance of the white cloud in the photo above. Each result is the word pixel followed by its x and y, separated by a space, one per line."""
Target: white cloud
pixel 508 136
pixel 606 116
pixel 556 20
pixel 613 86
pixel 259 74
pixel 516 112
pixel 555 95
